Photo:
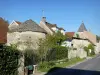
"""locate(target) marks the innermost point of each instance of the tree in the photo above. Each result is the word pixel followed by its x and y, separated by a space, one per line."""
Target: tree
pixel 31 57
pixel 77 35
pixel 90 47
pixel 98 38
pixel 87 50
pixel 48 43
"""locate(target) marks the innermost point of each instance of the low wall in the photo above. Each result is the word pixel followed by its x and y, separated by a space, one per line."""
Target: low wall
pixel 21 66
pixel 76 53
pixel 97 48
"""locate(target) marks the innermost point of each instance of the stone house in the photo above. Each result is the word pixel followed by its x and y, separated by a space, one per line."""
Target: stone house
pixel 80 38
pixel 84 33
pixel 50 28
pixel 26 34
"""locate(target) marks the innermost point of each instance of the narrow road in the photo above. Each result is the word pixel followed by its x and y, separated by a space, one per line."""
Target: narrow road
pixel 91 64
pixel 88 67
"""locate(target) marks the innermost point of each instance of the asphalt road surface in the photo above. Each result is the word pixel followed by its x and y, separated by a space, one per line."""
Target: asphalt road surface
pixel 91 64
pixel 88 67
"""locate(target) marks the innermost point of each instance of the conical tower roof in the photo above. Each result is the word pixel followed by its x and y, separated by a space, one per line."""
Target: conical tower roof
pixel 82 28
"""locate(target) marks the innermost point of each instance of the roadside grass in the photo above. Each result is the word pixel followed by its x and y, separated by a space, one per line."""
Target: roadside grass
pixel 93 55
pixel 46 65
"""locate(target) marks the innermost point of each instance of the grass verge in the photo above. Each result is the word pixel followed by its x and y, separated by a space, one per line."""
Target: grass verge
pixel 44 67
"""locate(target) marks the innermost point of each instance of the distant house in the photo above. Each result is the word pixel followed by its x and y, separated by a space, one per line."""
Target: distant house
pixel 69 39
pixel 83 33
pixel 50 28
pixel 26 32
pixel 69 34
pixel 80 38
pixel 3 31
pixel 83 37
pixel 13 25
pixel 80 42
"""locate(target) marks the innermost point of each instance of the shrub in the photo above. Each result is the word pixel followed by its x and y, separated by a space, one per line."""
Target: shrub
pixel 30 57
pixel 90 46
pixel 51 55
pixel 46 65
pixel 61 52
pixel 92 53
pixel 57 53
pixel 77 35
pixel 87 50
pixel 51 63
pixel 9 57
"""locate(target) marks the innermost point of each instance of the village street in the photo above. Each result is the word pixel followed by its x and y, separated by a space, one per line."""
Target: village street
pixel 90 64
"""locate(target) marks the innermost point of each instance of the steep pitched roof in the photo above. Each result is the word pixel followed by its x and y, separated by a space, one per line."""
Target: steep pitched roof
pixel 69 34
pixel 49 25
pixel 82 28
pixel 18 22
pixel 30 25
pixel 61 29
pixel 14 25
pixel 87 35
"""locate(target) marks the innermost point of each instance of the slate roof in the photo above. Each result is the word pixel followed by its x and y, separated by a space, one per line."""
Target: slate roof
pixel 61 29
pixel 29 25
pixel 49 25
pixel 82 28
pixel 18 22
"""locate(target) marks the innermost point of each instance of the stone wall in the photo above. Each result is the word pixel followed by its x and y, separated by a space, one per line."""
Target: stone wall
pixel 21 66
pixel 77 43
pixel 22 39
pixel 76 53
pixel 97 48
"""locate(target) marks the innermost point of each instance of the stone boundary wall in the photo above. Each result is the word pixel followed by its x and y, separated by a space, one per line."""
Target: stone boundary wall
pixel 76 53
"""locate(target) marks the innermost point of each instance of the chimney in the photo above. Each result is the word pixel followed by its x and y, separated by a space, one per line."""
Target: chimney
pixel 43 19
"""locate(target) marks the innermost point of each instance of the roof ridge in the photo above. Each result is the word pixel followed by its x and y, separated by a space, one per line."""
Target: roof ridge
pixel 30 25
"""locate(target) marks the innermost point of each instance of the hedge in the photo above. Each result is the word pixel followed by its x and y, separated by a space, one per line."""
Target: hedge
pixel 9 60
pixel 57 53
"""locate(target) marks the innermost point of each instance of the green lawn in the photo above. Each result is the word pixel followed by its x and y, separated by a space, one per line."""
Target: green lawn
pixel 46 66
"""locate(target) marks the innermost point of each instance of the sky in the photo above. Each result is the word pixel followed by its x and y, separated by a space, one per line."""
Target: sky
pixel 68 14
